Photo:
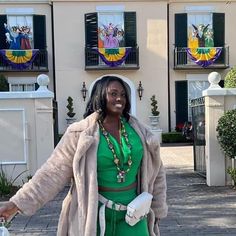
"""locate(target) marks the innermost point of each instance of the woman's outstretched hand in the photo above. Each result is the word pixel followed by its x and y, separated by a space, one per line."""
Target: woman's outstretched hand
pixel 8 209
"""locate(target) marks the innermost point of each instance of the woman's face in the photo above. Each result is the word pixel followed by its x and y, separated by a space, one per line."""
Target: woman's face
pixel 116 98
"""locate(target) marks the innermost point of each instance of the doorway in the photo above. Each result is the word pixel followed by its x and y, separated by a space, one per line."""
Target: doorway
pixel 131 90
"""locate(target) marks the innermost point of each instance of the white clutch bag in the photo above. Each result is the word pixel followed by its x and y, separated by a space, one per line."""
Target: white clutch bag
pixel 138 208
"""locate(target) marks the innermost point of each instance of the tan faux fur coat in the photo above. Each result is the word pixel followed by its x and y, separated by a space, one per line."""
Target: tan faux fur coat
pixel 76 157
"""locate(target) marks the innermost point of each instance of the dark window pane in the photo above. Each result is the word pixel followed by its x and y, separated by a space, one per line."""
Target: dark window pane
pixel 3 43
pixel 219 34
pixel 39 26
pixel 181 30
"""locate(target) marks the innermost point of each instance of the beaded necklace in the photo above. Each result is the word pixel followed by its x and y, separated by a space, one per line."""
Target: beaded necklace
pixel 121 171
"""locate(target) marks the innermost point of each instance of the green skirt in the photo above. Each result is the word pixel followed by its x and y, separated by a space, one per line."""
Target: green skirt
pixel 115 220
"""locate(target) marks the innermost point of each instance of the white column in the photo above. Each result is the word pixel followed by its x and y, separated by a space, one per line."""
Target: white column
pixel 214 109
pixel 43 121
pixel 215 158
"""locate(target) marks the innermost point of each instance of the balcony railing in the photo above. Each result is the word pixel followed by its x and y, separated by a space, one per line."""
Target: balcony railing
pixel 183 62
pixel 40 64
pixel 94 62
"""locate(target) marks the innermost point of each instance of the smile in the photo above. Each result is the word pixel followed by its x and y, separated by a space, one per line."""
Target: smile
pixel 118 105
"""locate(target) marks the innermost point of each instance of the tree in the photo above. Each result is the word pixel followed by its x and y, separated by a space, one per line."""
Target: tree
pixel 154 109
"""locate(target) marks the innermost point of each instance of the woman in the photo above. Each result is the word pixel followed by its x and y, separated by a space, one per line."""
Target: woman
pixel 107 155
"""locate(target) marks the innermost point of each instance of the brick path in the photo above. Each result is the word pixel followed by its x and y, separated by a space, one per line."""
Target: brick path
pixel 194 208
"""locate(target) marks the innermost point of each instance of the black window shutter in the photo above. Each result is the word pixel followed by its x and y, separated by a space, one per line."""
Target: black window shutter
pixel 91 30
pixel 91 38
pixel 181 39
pixel 219 29
pixel 219 34
pixel 181 101
pixel 181 30
pixel 3 43
pixel 39 26
pixel 130 29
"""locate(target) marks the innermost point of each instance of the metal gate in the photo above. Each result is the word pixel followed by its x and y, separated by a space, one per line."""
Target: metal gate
pixel 199 142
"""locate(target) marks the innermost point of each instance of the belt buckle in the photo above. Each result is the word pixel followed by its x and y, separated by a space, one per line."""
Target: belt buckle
pixel 109 204
pixel 118 206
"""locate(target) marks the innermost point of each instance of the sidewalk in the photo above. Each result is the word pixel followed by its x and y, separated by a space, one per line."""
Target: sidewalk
pixel 194 208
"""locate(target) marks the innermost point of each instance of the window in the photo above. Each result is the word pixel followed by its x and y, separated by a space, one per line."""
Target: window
pixel 25 33
pixel 19 32
pixel 200 30
pixel 32 25
pixel 184 21
pixel 22 87
pixel 91 27
pixel 18 84
pixel 194 30
pixel 110 30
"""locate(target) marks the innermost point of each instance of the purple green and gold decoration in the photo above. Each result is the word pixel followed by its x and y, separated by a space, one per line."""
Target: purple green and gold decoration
pixel 204 56
pixel 113 56
pixel 19 59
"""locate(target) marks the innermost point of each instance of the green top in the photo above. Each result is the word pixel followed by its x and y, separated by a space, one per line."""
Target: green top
pixel 106 168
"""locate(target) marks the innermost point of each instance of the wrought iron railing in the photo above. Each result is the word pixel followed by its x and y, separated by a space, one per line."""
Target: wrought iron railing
pixel 183 61
pixel 94 62
pixel 40 63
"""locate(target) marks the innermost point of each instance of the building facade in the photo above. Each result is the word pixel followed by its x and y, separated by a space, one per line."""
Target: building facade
pixel 168 47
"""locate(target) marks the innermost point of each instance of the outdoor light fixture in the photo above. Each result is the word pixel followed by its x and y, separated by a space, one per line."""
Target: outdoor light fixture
pixel 140 90
pixel 84 91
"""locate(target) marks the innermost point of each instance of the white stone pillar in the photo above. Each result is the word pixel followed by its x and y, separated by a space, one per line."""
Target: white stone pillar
pixel 43 120
pixel 214 109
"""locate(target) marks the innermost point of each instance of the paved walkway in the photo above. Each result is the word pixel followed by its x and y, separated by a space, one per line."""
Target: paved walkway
pixel 194 208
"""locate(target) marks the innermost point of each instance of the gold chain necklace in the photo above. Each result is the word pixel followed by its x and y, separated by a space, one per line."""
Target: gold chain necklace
pixel 121 171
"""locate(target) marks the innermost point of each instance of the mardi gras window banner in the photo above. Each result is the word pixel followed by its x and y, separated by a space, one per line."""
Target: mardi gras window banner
pixel 19 59
pixel 113 56
pixel 204 56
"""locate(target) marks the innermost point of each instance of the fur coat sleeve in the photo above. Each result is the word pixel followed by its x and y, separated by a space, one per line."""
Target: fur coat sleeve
pixel 50 178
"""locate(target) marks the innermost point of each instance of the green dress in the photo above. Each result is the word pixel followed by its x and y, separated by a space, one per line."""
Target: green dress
pixel 107 177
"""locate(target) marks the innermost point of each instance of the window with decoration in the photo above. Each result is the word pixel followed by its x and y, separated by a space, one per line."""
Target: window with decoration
pixel 200 38
pixel 110 37
pixel 22 37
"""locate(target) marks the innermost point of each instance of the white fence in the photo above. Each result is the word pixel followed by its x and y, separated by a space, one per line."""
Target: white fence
pixel 26 130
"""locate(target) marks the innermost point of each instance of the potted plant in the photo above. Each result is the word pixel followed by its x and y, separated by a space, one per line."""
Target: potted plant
pixel 226 135
pixel 70 113
pixel 154 118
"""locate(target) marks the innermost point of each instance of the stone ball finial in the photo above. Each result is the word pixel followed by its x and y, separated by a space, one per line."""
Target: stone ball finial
pixel 43 80
pixel 214 79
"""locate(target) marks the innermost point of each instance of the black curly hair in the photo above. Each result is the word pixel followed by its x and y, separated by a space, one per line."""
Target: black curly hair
pixel 97 101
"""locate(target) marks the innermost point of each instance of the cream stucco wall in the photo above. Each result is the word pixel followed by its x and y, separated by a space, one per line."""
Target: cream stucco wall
pixel 69 53
pixel 227 7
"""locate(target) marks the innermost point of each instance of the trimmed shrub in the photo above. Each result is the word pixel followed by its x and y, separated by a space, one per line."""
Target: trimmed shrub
pixel 173 137
pixel 226 136
pixel 4 86
pixel 230 78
